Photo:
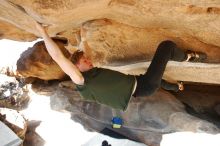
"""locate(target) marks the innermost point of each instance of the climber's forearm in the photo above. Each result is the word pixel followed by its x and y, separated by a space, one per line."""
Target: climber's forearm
pixel 66 65
pixel 52 48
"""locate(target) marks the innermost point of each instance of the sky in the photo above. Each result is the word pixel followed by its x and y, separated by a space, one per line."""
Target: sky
pixel 11 50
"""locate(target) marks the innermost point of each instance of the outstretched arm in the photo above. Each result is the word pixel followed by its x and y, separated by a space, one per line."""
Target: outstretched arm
pixel 66 65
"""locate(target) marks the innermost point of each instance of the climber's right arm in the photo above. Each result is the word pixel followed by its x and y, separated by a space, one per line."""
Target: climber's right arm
pixel 65 64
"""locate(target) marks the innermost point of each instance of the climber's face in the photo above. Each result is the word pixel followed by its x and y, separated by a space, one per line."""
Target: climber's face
pixel 84 64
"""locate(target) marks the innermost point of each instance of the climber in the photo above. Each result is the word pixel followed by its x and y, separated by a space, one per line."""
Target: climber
pixel 113 88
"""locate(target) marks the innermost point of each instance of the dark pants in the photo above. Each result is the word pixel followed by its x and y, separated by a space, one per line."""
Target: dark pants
pixel 152 80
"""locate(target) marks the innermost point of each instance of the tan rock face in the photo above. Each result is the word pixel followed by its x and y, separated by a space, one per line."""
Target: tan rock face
pixel 121 32
pixel 190 24
pixel 119 44
pixel 9 31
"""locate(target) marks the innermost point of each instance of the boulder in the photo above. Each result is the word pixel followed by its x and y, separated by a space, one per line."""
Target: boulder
pixel 36 62
pixel 15 121
pixel 13 94
pixel 146 118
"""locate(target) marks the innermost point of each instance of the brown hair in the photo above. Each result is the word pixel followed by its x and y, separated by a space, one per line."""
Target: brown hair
pixel 76 56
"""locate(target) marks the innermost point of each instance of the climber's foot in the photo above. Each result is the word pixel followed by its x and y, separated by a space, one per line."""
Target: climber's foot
pixel 193 56
pixel 180 85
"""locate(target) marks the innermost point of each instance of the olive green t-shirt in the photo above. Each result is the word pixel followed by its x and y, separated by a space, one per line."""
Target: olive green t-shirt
pixel 107 87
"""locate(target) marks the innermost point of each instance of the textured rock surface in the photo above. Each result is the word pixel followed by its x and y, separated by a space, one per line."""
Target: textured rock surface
pixel 9 31
pixel 36 62
pixel 121 32
pixel 118 44
pixel 145 120
pixel 202 99
pixel 13 94
pixel 15 121
pixel 138 25
pixel 194 18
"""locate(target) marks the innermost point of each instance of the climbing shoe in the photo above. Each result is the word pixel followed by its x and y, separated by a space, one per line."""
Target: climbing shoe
pixel 193 56
pixel 180 85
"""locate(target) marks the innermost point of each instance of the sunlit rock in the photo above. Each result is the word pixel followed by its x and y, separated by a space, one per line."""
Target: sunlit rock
pixel 36 62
